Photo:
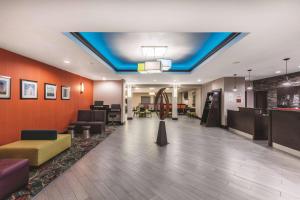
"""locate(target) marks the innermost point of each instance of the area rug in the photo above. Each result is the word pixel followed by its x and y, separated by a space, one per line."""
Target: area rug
pixel 40 177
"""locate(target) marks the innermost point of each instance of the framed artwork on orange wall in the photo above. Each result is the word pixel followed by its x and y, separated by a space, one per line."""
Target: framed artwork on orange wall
pixel 50 91
pixel 5 87
pixel 29 89
pixel 65 93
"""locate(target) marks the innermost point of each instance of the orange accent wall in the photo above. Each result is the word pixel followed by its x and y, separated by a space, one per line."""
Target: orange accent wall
pixel 17 114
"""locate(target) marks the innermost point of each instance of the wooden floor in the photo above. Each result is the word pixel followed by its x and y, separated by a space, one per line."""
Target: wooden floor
pixel 199 163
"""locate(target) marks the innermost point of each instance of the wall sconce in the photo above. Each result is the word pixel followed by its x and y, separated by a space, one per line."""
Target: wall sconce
pixel 81 88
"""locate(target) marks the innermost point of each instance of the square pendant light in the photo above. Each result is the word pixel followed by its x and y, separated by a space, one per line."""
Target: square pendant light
pixel 154 51
pixel 166 64
pixel 153 66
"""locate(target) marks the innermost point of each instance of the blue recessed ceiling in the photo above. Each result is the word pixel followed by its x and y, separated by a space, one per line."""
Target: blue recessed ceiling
pixel 122 51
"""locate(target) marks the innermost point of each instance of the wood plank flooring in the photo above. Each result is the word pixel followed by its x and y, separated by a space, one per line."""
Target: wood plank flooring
pixel 199 163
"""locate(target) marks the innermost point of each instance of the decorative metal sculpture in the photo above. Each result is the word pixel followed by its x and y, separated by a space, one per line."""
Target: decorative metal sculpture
pixel 162 112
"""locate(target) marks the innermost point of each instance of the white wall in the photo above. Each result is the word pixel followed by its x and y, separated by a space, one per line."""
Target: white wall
pixel 250 96
pixel 250 99
pixel 230 97
pixel 111 92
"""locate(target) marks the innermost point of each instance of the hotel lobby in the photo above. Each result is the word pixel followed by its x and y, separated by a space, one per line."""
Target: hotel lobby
pixel 150 100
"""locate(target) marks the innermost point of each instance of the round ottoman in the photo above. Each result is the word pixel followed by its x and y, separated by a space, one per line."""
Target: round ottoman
pixel 71 130
pixel 86 131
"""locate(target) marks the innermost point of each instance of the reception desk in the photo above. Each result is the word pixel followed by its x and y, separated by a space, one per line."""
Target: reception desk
pixel 285 130
pixel 249 122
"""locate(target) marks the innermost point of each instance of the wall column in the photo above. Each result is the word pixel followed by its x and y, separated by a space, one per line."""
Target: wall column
pixel 129 102
pixel 174 102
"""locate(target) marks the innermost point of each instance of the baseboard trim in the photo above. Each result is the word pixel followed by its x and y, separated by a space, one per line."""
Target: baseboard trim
pixel 174 118
pixel 129 118
pixel 241 133
pixel 286 149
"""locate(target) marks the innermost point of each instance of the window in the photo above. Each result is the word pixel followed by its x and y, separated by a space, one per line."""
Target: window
pixel 145 99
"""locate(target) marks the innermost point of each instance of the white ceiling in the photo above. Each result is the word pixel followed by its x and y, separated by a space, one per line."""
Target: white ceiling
pixel 180 46
pixel 34 29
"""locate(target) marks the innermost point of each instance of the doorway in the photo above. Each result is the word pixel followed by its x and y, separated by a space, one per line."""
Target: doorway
pixel 261 99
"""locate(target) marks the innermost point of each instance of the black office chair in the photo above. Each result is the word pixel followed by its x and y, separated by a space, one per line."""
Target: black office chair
pixel 115 109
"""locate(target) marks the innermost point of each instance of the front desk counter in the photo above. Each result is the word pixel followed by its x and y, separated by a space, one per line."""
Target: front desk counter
pixel 284 131
pixel 249 122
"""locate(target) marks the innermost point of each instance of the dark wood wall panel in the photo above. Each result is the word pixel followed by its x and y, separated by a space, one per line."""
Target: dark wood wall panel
pixel 271 85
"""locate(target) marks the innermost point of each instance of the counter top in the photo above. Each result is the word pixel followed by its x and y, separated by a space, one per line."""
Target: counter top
pixel 287 109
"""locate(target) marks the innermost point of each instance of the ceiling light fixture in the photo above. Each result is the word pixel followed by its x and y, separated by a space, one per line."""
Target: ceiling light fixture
pixel 154 80
pixel 287 82
pixel 154 51
pixel 234 86
pixel 199 80
pixel 67 61
pixel 154 60
pixel 249 81
pixel 278 72
pixel 152 67
pixel 104 78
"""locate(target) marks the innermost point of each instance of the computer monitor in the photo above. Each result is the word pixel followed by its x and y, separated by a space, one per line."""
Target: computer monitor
pixel 98 103
pixel 115 106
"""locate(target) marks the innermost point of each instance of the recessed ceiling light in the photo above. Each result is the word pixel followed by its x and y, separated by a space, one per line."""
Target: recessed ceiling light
pixel 67 61
pixel 199 80
pixel 154 80
pixel 278 72
pixel 174 80
pixel 104 78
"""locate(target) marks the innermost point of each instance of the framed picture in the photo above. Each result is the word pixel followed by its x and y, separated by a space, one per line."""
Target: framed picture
pixel 5 85
pixel 50 91
pixel 29 89
pixel 65 93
